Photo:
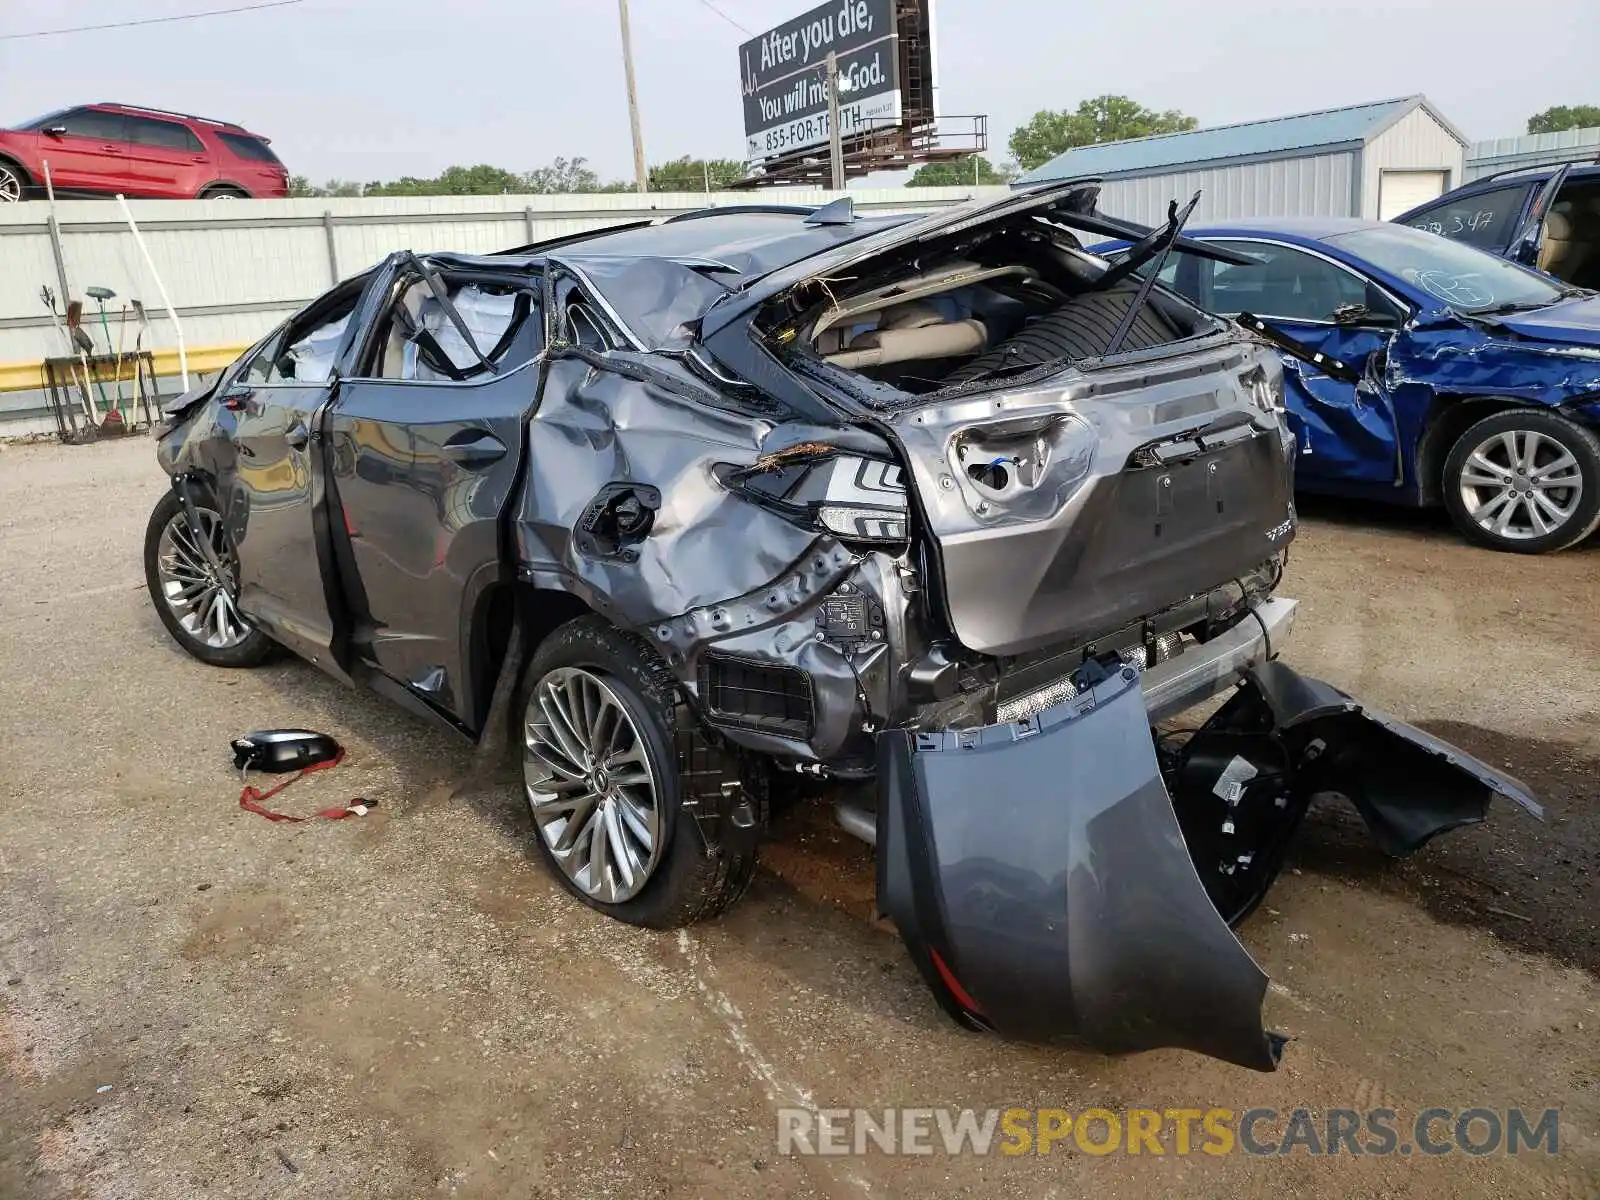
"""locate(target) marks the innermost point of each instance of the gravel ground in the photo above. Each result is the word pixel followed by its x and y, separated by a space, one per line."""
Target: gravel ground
pixel 196 1003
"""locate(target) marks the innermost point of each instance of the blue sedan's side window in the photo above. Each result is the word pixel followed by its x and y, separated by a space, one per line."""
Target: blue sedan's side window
pixel 1284 282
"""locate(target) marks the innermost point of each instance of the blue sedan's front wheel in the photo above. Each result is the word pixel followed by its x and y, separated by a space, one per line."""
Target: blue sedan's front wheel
pixel 1525 480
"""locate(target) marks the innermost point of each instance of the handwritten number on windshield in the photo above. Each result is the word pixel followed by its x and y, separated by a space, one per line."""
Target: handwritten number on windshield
pixel 1463 291
pixel 1458 223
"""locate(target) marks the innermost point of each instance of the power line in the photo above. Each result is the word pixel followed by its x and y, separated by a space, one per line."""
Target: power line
pixel 727 18
pixel 214 12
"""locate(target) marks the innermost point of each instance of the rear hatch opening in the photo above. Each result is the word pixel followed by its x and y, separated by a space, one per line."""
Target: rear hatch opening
pixel 1083 448
pixel 954 313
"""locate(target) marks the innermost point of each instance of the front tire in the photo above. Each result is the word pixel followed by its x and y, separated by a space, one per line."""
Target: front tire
pixel 1526 481
pixel 198 608
pixel 606 740
pixel 13 183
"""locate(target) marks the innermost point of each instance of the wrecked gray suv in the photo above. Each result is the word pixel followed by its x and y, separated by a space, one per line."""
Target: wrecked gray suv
pixel 941 510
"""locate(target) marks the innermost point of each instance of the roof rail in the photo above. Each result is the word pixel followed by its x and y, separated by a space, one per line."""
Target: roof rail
pixel 167 112
pixel 787 210
pixel 1554 162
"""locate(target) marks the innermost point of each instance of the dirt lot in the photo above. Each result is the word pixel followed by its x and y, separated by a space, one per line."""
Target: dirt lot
pixel 196 1003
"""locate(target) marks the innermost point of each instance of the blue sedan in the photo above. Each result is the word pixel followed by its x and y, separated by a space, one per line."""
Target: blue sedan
pixel 1423 371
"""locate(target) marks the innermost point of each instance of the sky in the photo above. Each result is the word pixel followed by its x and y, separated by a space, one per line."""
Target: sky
pixel 375 89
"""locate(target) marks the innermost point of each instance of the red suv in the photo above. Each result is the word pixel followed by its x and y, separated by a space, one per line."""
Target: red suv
pixel 102 149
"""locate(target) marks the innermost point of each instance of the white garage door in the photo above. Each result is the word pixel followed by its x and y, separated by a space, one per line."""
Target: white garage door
pixel 1401 191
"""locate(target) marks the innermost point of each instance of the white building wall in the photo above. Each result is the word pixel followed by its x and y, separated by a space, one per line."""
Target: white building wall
pixel 1416 142
pixel 1315 185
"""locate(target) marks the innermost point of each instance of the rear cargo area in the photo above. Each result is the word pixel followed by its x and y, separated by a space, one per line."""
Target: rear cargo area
pixel 1015 298
pixel 1086 449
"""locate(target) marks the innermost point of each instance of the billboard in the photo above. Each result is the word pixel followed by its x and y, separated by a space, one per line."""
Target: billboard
pixel 785 76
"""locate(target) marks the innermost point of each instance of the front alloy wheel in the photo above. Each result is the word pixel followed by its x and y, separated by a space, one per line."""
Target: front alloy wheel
pixel 1525 481
pixel 590 785
pixel 201 596
pixel 196 598
pixel 11 185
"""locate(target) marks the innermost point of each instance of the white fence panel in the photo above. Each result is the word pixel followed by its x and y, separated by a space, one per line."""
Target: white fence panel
pixel 235 268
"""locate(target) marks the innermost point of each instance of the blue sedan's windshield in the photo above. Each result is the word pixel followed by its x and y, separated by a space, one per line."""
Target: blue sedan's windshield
pixel 1462 276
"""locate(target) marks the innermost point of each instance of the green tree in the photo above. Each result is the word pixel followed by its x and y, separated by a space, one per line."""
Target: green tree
pixel 1554 120
pixel 1102 119
pixel 564 175
pixel 406 185
pixel 689 174
pixel 960 173
pixel 300 185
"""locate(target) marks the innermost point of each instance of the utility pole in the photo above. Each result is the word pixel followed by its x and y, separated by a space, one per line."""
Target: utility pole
pixel 835 138
pixel 633 101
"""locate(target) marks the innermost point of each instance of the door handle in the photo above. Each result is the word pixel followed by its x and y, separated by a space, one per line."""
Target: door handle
pixel 297 437
pixel 112 149
pixel 476 449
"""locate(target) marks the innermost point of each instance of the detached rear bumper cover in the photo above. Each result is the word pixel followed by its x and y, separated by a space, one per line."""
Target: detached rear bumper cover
pixel 1039 876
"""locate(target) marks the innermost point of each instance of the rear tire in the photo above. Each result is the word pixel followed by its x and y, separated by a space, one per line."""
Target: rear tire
pixel 224 193
pixel 606 746
pixel 1525 481
pixel 185 595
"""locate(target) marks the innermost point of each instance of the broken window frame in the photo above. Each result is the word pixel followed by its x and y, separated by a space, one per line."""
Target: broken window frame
pixel 344 300
pixel 527 282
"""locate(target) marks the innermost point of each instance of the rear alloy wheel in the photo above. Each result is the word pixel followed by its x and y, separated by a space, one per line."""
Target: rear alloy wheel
pixel 591 786
pixel 605 735
pixel 12 184
pixel 1526 481
pixel 224 193
pixel 196 601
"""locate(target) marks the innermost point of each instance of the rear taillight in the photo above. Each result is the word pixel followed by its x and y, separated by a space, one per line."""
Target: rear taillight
pixel 854 498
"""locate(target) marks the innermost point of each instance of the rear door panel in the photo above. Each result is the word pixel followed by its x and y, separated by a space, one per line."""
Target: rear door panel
pixel 163 157
pixel 1344 431
pixel 422 471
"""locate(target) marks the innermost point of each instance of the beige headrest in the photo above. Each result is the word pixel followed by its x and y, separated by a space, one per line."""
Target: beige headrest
pixel 910 315
pixel 1558 226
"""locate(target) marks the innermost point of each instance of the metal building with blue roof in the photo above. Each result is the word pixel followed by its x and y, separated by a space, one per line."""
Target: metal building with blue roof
pixel 1365 160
